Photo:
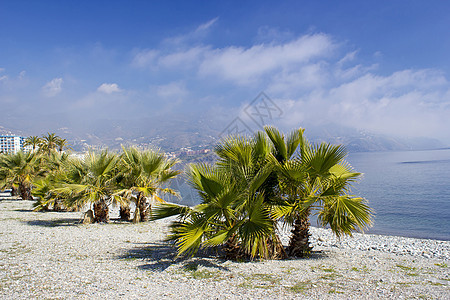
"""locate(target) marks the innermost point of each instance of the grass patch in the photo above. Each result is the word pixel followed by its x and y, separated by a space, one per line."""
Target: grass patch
pixel 330 276
pixel 259 280
pixel 190 267
pixel 442 265
pixel 195 273
pixel 203 274
pixel 405 268
pixel 404 283
pixel 333 291
pixel 363 269
pixel 435 283
pixel 329 270
pixel 300 286
pixel 288 270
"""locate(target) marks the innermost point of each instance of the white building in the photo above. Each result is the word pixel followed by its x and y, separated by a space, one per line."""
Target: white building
pixel 12 144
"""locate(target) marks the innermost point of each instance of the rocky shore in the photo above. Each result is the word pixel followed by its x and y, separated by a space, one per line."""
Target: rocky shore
pixel 52 256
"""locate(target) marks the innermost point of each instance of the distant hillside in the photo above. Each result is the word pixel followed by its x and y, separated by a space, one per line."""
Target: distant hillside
pixel 175 132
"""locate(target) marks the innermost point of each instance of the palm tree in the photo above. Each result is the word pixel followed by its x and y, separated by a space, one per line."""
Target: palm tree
pixel 18 171
pixel 49 142
pixel 62 143
pixel 258 182
pixel 316 179
pixel 144 174
pixel 33 141
pixel 92 180
pixel 233 212
pixel 53 165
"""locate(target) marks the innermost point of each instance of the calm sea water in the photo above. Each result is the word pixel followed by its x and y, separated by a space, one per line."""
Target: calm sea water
pixel 409 191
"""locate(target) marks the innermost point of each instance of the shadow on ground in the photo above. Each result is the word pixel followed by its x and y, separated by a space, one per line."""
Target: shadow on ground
pixel 159 256
pixel 53 223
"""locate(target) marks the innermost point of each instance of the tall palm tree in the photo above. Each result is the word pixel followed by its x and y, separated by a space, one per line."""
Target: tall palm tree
pixel 316 179
pixel 33 141
pixel 92 180
pixel 62 144
pixel 19 170
pixel 49 142
pixel 144 174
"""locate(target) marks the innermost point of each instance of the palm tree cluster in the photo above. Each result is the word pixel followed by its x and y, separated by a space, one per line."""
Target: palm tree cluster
pixel 46 143
pixel 61 182
pixel 259 184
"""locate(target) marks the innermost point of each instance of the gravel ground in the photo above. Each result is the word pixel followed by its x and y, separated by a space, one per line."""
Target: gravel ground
pixel 52 256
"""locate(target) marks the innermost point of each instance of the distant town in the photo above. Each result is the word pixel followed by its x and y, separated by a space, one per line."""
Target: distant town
pixel 10 143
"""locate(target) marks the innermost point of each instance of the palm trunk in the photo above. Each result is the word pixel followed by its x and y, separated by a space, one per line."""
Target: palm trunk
pixel 299 242
pixel 142 208
pixel 233 250
pixel 101 212
pixel 125 212
pixel 275 248
pixel 57 206
pixel 25 192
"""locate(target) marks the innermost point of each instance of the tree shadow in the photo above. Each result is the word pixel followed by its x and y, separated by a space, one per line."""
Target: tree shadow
pixel 23 210
pixel 53 223
pixel 159 256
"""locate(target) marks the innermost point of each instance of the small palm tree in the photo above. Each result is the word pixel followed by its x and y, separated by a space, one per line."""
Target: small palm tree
pixel 91 181
pixel 52 165
pixel 19 170
pixel 144 174
pixel 261 181
pixel 233 213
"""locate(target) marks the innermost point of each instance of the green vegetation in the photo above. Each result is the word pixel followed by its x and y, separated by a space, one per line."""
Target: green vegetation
pixel 195 273
pixel 259 182
pixel 61 182
pixel 301 286
pixel 259 280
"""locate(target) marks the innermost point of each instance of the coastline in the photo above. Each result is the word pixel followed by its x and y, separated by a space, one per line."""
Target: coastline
pixel 50 254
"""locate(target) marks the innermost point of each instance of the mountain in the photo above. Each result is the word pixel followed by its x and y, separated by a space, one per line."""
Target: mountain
pixel 197 132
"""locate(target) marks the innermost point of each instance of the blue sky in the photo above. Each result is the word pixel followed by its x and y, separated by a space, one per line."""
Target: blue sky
pixel 376 65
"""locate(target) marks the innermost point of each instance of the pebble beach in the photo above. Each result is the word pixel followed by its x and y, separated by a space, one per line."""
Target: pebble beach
pixel 52 255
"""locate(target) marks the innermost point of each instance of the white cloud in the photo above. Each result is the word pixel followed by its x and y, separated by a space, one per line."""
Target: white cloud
pixel 239 65
pixel 184 59
pixel 109 88
pixel 173 90
pixel 53 87
pixel 145 58
pixel 313 79
pixel 408 103
pixel 200 32
pixel 245 65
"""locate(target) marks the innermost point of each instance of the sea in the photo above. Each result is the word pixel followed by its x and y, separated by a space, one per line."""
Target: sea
pixel 409 191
